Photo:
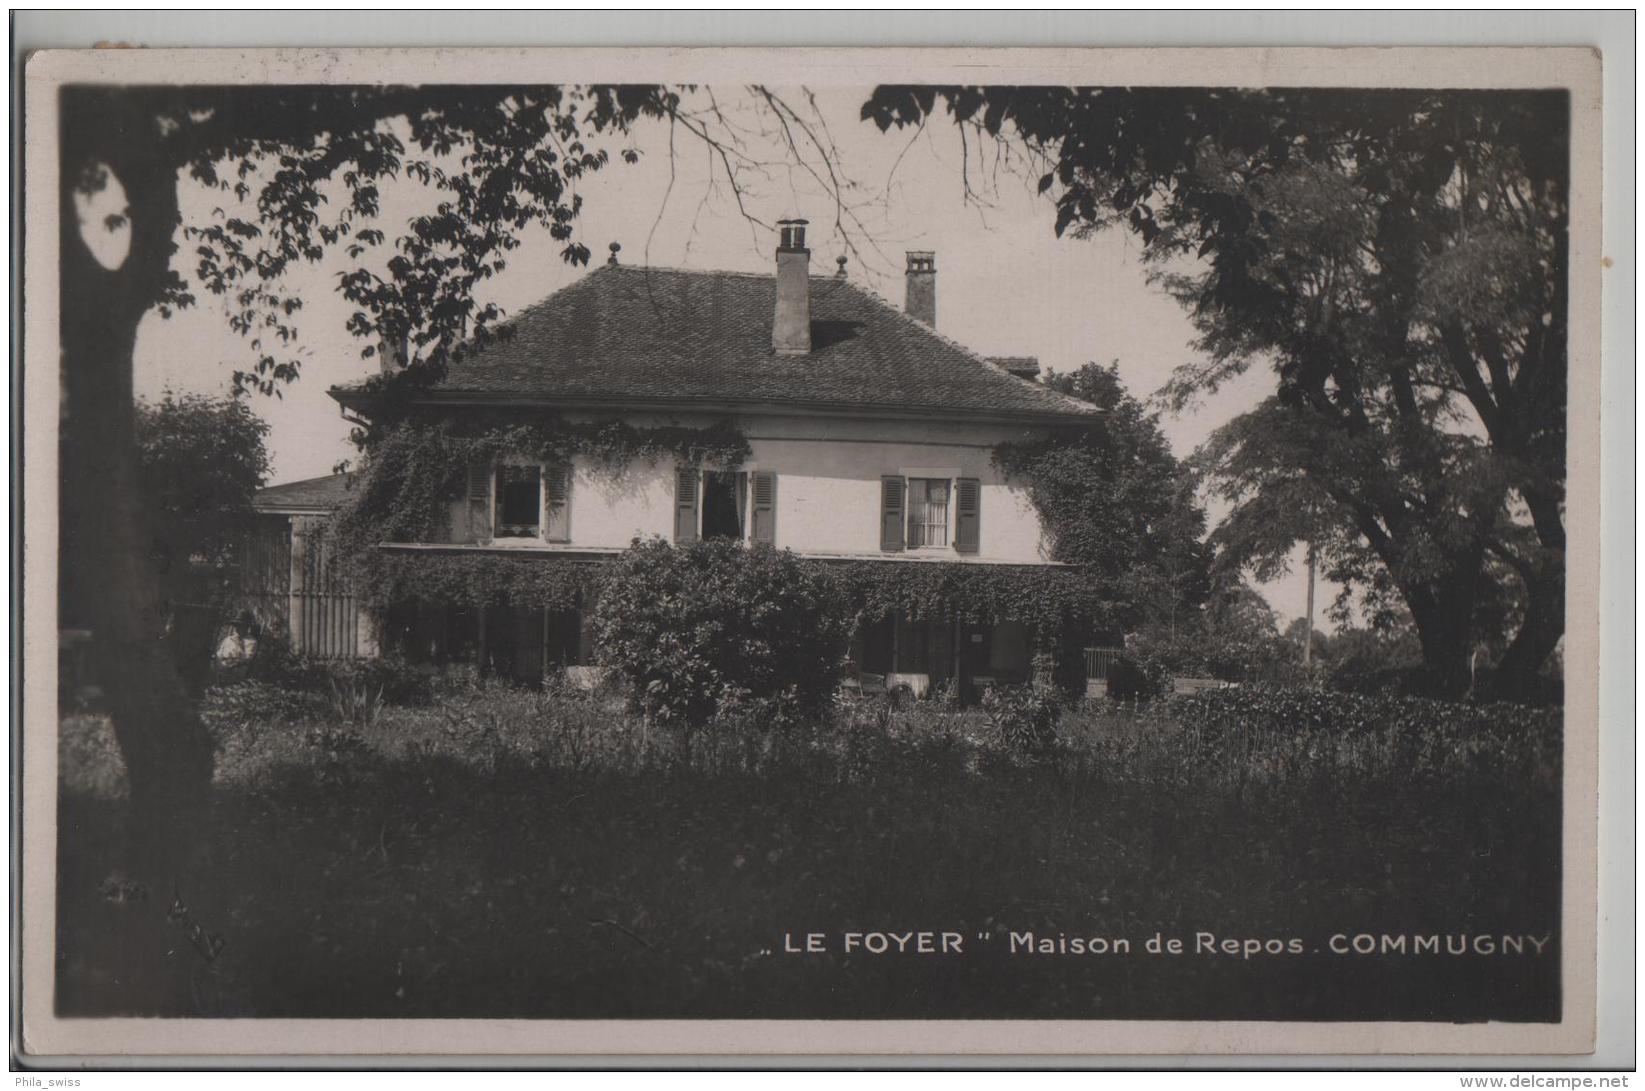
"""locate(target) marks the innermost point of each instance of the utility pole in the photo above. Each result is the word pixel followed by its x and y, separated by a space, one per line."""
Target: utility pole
pixel 1308 625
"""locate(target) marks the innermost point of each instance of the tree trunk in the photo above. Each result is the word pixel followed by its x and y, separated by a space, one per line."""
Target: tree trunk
pixel 1519 671
pixel 106 583
pixel 1544 581
pixel 1443 611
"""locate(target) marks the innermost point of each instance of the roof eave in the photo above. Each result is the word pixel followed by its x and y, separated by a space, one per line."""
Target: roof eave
pixel 360 401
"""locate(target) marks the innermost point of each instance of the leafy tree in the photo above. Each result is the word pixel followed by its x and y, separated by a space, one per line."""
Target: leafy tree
pixel 1398 258
pixel 299 169
pixel 201 461
pixel 1116 501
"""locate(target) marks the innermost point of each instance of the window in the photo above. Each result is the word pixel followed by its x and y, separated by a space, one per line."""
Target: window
pixel 725 499
pixel 927 512
pixel 736 505
pixel 527 501
pixel 519 501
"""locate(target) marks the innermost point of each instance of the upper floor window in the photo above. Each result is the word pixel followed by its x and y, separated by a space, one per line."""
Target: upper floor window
pixel 738 505
pixel 930 513
pixel 927 513
pixel 513 499
pixel 519 495
pixel 725 504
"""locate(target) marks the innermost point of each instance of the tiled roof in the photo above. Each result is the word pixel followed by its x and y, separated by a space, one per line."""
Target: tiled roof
pixel 639 334
pixel 317 493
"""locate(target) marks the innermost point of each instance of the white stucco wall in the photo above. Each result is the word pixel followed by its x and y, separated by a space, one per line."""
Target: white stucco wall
pixel 828 484
pixel 828 488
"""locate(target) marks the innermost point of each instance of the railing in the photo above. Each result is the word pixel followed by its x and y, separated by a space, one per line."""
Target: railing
pixel 1099 661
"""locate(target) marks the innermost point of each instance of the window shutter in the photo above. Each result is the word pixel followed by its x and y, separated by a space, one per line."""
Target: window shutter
pixel 968 514
pixel 893 497
pixel 557 503
pixel 765 508
pixel 479 500
pixel 686 486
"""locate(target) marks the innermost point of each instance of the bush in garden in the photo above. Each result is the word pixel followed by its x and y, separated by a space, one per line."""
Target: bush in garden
pixel 397 681
pixel 1290 731
pixel 253 702
pixel 1023 718
pixel 715 626
pixel 1135 677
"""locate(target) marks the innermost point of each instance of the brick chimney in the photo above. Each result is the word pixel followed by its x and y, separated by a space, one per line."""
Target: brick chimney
pixel 791 327
pixel 920 296
pixel 391 357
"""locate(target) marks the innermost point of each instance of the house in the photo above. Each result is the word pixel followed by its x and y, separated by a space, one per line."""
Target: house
pixel 869 439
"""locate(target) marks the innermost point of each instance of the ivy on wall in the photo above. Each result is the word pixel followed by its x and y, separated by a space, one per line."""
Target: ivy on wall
pixel 1050 601
pixel 476 579
pixel 1047 600
pixel 416 468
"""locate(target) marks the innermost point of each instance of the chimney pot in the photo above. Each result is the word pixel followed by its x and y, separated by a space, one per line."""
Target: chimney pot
pixel 791 325
pixel 792 233
pixel 920 294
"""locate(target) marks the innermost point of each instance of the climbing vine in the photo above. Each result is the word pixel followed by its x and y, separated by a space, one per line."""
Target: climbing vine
pixel 477 579
pixel 1047 600
pixel 413 470
pixel 1050 601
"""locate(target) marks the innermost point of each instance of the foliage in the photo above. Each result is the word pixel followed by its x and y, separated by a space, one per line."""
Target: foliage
pixel 409 856
pixel 355 702
pixel 417 466
pixel 1399 258
pixel 1404 736
pixel 705 628
pixel 1116 502
pixel 1234 639
pixel 276 667
pixel 1140 676
pixel 1048 600
pixel 257 701
pixel 1055 603
pixel 500 158
pixel 475 579
pixel 1370 660
pixel 1023 717
pixel 201 461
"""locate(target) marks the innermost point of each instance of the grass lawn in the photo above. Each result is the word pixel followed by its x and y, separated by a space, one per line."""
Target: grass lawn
pixel 504 853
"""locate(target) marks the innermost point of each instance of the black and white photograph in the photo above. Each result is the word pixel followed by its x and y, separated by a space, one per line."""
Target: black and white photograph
pixel 794 542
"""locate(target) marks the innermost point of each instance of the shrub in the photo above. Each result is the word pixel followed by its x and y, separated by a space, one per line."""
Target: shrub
pixel 399 682
pixel 1292 730
pixel 1138 677
pixel 713 624
pixel 1024 718
pixel 224 707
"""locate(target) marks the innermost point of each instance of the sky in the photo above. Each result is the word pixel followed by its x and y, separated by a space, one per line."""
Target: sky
pixel 1006 284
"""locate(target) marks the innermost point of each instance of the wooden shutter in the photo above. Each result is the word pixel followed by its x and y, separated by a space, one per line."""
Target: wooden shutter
pixel 764 521
pixel 968 514
pixel 479 500
pixel 893 509
pixel 557 503
pixel 687 486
